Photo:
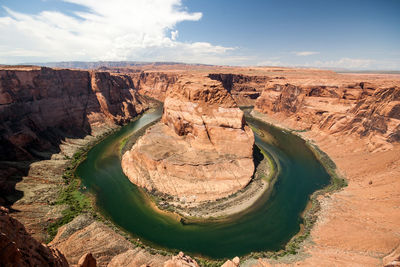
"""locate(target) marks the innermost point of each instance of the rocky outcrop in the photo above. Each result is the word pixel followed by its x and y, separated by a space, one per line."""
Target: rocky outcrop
pixel 245 89
pixel 87 260
pixel 354 109
pixel 201 150
pixel 84 235
pixel 181 260
pixel 232 263
pixel 18 248
pixel 393 259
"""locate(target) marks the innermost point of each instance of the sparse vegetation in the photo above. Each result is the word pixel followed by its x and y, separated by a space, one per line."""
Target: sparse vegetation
pixel 70 195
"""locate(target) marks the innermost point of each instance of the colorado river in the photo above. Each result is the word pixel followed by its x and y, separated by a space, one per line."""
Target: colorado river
pixel 269 226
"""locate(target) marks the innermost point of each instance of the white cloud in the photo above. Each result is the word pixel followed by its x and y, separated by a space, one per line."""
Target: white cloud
pixel 348 63
pixel 111 30
pixel 174 35
pixel 305 53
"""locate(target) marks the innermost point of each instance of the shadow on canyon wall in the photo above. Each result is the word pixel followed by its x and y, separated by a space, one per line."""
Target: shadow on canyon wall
pixel 40 108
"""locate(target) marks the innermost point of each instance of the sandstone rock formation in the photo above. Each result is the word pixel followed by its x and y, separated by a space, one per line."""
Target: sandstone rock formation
pixel 40 108
pixel 87 260
pixel 354 109
pixel 84 235
pixel 345 114
pixel 181 260
pixel 232 263
pixel 245 89
pixel 201 150
pixel 154 84
pixel 18 248
pixel 393 259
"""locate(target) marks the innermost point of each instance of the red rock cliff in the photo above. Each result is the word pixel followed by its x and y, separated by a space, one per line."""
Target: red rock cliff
pixel 245 89
pixel 362 109
pixel 40 107
pixel 154 84
pixel 18 248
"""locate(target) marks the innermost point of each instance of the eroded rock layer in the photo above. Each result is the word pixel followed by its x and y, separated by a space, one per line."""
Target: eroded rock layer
pixel 201 150
pixel 361 109
pixel 42 106
pixel 245 89
pixel 18 248
pixel 154 84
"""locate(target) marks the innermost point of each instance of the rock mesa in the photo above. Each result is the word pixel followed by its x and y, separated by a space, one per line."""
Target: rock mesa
pixel 201 150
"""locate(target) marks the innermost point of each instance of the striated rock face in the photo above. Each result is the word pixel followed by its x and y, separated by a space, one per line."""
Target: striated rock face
pixel 84 236
pixel 41 107
pixel 154 84
pixel 352 109
pixel 245 89
pixel 201 150
pixel 18 248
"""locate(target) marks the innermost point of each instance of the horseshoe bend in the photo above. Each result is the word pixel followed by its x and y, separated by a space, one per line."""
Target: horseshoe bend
pixel 201 156
pixel 201 150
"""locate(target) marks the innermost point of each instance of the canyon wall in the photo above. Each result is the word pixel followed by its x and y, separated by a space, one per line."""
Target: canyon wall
pixel 245 89
pixel 366 110
pixel 40 107
pixel 154 84
pixel 201 150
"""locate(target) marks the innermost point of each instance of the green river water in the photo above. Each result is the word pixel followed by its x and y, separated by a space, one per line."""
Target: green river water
pixel 268 226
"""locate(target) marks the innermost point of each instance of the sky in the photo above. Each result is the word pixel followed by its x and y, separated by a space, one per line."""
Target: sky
pixel 351 34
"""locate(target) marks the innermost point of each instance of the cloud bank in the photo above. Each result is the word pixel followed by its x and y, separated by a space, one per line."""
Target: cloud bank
pixel 342 63
pixel 306 53
pixel 109 30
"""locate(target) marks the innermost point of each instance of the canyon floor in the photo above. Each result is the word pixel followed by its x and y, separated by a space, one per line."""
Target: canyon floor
pixel 354 118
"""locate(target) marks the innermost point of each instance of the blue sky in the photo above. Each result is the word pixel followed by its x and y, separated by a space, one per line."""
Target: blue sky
pixel 350 34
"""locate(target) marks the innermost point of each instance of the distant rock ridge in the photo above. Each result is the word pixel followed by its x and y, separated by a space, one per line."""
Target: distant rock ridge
pixel 202 149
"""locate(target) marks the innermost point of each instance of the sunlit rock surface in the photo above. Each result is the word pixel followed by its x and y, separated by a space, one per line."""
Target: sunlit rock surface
pixel 201 150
